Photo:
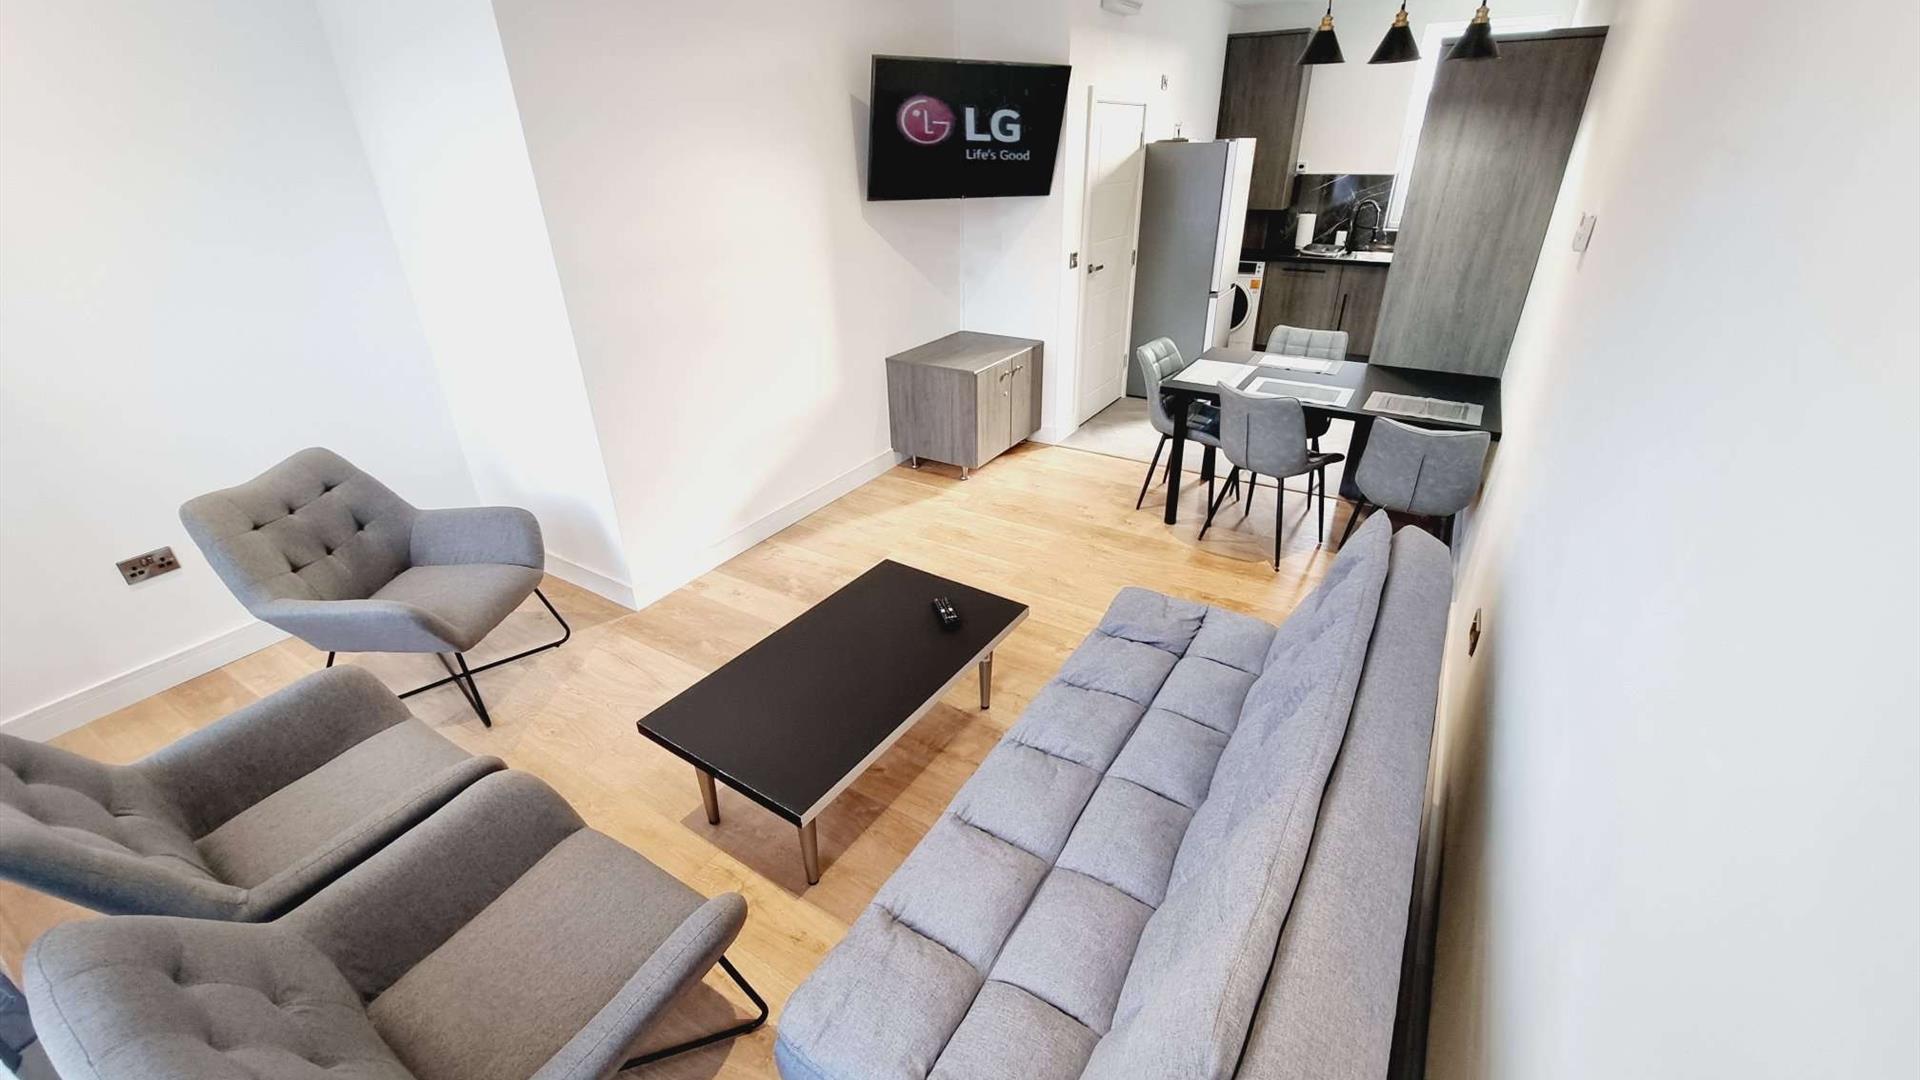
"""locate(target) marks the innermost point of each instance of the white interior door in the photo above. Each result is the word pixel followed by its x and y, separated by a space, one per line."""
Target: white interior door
pixel 1116 132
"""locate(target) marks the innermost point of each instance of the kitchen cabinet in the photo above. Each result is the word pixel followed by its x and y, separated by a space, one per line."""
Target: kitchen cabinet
pixel 1263 96
pixel 1323 295
pixel 1493 149
pixel 964 399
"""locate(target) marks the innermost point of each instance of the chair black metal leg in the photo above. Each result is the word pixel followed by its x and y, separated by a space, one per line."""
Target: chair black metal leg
pixel 1206 470
pixel 1352 520
pixel 1446 531
pixel 467 674
pixel 734 1032
pixel 330 659
pixel 1253 485
pixel 1213 505
pixel 1151 466
pixel 1320 528
pixel 1279 512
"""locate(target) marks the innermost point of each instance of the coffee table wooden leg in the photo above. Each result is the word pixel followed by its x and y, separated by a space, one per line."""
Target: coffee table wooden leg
pixel 986 682
pixel 708 797
pixel 810 852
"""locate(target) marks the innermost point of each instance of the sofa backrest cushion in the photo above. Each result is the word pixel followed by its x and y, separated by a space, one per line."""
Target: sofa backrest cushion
pixel 313 527
pixel 1328 1010
pixel 100 835
pixel 1190 993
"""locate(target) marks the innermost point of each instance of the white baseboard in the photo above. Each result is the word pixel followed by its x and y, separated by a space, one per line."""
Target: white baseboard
pixel 63 715
pixel 593 581
pixel 664 582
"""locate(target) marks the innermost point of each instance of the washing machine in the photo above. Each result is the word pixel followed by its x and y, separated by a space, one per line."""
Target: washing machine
pixel 1245 300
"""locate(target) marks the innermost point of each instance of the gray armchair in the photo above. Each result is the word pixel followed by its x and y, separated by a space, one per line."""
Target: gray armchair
pixel 500 940
pixel 238 821
pixel 1419 471
pixel 327 553
pixel 1157 360
pixel 1267 436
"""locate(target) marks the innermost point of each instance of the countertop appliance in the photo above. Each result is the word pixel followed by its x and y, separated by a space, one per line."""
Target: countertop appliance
pixel 1243 310
pixel 1193 212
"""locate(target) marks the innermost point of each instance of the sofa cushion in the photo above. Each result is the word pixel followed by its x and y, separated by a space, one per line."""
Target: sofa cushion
pixel 1009 1032
pixel 549 953
pixel 145 998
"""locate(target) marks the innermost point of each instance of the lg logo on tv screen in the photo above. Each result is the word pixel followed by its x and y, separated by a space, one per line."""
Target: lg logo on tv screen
pixel 928 121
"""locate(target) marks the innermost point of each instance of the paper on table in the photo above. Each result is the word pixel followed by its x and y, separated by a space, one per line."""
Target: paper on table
pixel 1301 363
pixel 1315 393
pixel 1213 372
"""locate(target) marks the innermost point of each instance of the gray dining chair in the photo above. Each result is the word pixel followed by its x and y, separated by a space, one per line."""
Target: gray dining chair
pixel 1316 345
pixel 1419 471
pixel 327 553
pixel 1267 436
pixel 1156 361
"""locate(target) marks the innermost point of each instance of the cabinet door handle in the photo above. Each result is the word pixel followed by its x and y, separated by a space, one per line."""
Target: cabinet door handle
pixel 1096 268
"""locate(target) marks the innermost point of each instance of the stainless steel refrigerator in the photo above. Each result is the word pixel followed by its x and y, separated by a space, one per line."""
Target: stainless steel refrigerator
pixel 1193 209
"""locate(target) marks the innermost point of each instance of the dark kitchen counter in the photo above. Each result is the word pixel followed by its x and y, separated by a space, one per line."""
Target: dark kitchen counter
pixel 1291 256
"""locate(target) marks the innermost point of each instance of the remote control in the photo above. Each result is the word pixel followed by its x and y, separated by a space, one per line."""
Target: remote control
pixel 944 610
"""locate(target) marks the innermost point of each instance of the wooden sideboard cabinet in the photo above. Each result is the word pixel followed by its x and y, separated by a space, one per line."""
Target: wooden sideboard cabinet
pixel 965 398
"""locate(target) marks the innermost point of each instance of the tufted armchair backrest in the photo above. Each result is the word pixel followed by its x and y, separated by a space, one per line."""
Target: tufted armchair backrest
pixel 313 527
pixel 1157 360
pixel 104 835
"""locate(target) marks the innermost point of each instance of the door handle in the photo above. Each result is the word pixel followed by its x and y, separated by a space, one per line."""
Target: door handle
pixel 1096 268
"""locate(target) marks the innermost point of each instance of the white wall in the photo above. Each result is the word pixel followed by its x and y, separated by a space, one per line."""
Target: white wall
pixel 1683 835
pixel 732 293
pixel 435 110
pixel 195 280
pixel 1356 111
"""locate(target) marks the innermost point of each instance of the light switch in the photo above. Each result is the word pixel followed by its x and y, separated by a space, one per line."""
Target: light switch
pixel 1584 234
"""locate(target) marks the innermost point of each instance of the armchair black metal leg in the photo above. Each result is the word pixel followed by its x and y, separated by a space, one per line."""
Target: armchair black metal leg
pixel 1213 505
pixel 733 1032
pixel 463 679
pixel 1152 466
pixel 1446 531
pixel 455 677
pixel 330 657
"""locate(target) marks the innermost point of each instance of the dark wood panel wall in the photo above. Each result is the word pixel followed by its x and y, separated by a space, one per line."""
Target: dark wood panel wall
pixel 1493 149
pixel 1263 96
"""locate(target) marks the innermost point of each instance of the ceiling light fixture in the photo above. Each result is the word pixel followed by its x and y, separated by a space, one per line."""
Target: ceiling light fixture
pixel 1477 42
pixel 1398 47
pixel 1323 47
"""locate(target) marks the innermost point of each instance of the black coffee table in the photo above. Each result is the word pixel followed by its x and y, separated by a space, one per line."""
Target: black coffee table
pixel 794 720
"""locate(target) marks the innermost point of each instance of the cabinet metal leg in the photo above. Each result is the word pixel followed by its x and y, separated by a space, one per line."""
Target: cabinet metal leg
pixel 986 682
pixel 708 797
pixel 810 852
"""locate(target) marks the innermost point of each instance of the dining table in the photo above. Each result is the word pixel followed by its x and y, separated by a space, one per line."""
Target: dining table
pixel 1344 389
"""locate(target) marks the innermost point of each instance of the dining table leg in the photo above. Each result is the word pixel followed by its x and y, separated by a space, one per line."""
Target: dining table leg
pixel 1174 456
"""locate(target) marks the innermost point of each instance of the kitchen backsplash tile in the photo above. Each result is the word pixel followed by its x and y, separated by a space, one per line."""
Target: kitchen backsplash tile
pixel 1331 198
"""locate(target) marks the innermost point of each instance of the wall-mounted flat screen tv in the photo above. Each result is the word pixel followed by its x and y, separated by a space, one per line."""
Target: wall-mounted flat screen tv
pixel 963 129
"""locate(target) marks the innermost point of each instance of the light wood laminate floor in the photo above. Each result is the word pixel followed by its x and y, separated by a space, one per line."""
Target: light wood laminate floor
pixel 1049 526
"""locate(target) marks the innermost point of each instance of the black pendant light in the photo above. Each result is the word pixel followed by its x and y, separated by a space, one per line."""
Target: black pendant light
pixel 1398 47
pixel 1477 42
pixel 1323 47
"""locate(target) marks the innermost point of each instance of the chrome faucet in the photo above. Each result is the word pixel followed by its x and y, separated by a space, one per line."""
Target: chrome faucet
pixel 1374 231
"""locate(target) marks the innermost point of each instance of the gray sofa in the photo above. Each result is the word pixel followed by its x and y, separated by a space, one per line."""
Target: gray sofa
pixel 238 821
pixel 1191 858
pixel 501 939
